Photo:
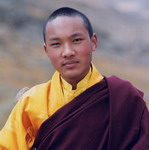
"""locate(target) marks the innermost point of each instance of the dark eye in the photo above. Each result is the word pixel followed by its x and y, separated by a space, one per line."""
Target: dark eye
pixel 78 40
pixel 55 44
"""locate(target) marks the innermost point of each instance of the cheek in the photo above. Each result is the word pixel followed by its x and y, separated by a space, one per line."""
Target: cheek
pixel 55 59
pixel 52 56
pixel 86 50
pixel 85 54
pixel 86 57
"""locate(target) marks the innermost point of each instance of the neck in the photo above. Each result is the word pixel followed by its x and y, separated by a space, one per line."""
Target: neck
pixel 74 81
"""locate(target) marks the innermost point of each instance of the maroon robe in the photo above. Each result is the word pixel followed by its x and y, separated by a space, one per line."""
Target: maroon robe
pixel 111 115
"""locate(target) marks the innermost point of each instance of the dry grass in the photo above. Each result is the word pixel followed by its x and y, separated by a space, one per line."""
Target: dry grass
pixel 135 73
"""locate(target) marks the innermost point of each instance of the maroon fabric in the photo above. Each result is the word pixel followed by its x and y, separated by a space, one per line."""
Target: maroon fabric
pixel 129 117
pixel 110 115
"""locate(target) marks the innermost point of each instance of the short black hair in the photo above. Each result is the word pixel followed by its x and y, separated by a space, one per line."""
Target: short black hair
pixel 69 12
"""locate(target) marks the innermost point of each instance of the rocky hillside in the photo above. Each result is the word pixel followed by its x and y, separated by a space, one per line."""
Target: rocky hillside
pixel 123 43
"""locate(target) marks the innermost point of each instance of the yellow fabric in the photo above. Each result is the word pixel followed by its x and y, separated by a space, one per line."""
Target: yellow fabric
pixel 35 106
pixel 69 94
pixel 61 96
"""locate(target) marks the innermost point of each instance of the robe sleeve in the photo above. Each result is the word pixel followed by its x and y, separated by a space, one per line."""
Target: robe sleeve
pixel 17 134
pixel 143 139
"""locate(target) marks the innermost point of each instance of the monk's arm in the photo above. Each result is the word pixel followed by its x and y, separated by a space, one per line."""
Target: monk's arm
pixel 143 139
pixel 15 135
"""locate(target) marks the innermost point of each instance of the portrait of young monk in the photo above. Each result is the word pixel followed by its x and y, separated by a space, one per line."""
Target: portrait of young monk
pixel 79 108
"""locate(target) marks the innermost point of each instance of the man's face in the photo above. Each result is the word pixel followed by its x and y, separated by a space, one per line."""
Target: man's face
pixel 69 47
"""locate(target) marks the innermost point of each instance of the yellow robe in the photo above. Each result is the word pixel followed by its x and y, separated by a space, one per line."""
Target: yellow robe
pixel 37 105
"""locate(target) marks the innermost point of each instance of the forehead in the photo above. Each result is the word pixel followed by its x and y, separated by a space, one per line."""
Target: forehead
pixel 64 24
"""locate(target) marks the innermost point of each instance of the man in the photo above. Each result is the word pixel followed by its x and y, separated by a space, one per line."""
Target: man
pixel 78 109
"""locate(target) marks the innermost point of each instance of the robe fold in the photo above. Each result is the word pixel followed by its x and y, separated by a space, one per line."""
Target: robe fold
pixel 38 104
pixel 110 115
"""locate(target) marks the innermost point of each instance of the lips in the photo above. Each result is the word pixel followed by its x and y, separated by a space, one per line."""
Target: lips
pixel 70 64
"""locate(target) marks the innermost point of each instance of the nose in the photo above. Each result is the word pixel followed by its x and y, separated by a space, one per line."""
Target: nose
pixel 68 51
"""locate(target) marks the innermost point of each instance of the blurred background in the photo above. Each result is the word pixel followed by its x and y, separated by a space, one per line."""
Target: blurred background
pixel 121 25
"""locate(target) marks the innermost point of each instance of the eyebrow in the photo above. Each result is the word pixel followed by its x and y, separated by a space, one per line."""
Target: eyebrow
pixel 73 35
pixel 76 34
pixel 54 39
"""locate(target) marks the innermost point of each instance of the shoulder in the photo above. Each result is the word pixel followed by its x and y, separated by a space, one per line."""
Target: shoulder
pixel 117 84
pixel 118 81
pixel 26 93
pixel 40 88
pixel 123 94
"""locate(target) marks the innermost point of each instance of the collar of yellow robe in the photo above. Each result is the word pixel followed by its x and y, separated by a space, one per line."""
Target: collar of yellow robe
pixel 61 91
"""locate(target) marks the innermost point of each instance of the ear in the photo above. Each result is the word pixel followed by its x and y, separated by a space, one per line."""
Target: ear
pixel 94 41
pixel 45 47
